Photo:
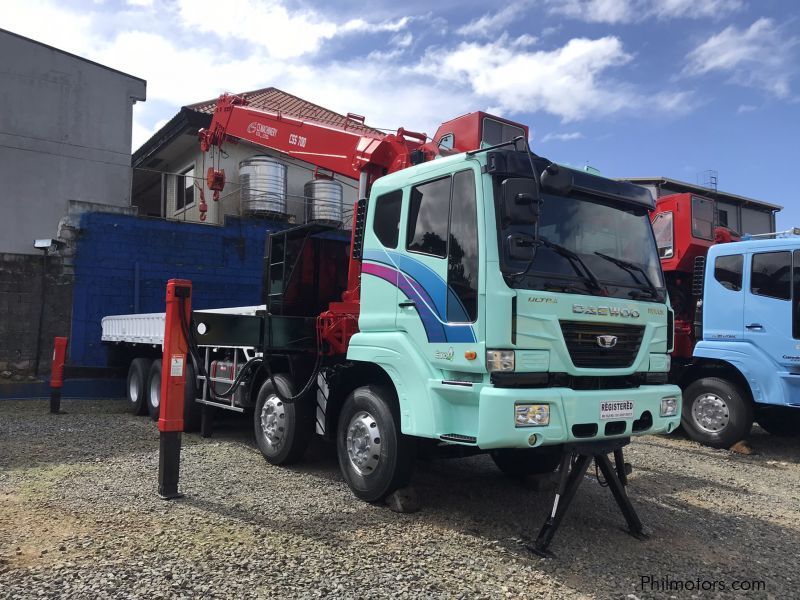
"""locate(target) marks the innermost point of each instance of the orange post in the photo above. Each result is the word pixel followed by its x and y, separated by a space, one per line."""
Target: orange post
pixel 173 380
pixel 57 373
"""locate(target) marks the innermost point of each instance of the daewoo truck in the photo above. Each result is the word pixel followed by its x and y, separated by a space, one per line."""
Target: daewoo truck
pixel 488 300
pixel 737 326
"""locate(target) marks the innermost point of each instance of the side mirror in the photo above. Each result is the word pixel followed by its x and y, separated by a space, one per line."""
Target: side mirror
pixel 521 247
pixel 521 201
pixel 556 180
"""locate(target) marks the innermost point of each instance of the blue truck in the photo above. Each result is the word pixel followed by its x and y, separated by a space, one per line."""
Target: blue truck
pixel 745 365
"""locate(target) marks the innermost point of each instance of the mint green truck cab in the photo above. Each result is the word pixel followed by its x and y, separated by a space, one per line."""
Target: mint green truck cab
pixel 509 319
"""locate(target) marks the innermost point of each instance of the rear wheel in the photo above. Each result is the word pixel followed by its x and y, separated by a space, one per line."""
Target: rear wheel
pixel 522 462
pixel 779 420
pixel 192 410
pixel 716 412
pixel 375 458
pixel 137 385
pixel 282 429
pixel 154 390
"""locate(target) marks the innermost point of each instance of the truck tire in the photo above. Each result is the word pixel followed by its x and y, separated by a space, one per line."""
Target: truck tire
pixel 716 412
pixel 137 385
pixel 192 410
pixel 779 420
pixel 375 457
pixel 282 429
pixel 154 390
pixel 522 462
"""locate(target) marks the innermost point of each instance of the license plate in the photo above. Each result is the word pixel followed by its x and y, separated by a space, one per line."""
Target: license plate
pixel 616 409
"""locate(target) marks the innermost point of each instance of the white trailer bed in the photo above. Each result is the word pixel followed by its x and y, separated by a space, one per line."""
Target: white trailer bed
pixel 148 328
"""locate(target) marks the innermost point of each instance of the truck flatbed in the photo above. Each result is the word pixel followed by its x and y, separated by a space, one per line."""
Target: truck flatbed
pixel 148 328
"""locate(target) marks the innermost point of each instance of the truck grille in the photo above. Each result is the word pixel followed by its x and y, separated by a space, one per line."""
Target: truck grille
pixel 581 340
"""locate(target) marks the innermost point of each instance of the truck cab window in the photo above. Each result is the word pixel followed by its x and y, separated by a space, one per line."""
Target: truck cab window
pixel 427 218
pixel 662 229
pixel 796 296
pixel 386 222
pixel 771 275
pixel 495 132
pixel 702 218
pixel 462 251
pixel 728 271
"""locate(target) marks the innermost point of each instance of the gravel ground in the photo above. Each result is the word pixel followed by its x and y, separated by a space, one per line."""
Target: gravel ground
pixel 80 517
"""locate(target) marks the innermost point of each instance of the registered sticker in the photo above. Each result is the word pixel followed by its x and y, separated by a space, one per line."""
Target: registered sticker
pixel 176 366
pixel 616 409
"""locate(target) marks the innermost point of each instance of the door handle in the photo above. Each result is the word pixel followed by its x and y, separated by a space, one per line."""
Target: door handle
pixel 754 326
pixel 407 304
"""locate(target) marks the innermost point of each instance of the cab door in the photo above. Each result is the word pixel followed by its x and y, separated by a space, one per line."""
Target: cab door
pixel 438 269
pixel 768 307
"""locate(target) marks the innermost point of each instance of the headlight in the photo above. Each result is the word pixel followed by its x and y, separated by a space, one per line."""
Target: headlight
pixel 499 360
pixel 669 406
pixel 531 415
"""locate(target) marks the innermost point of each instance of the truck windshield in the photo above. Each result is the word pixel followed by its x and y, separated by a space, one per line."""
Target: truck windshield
pixel 614 241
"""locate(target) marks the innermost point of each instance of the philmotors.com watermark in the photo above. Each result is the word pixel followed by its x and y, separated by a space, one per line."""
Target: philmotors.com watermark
pixel 653 583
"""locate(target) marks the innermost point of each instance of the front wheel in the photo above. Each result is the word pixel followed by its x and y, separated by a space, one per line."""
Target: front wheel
pixel 375 457
pixel 283 429
pixel 522 462
pixel 716 412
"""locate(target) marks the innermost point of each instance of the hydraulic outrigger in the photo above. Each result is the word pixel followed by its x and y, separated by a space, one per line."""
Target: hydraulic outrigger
pixel 575 461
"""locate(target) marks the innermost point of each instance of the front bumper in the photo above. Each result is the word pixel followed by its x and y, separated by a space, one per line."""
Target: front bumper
pixel 574 415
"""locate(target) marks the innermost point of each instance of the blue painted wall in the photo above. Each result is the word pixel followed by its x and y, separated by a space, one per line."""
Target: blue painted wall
pixel 225 265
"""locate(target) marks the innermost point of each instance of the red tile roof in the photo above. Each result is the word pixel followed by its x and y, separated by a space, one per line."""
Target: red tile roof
pixel 275 100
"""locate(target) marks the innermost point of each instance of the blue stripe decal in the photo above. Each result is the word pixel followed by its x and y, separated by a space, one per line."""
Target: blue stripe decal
pixel 428 290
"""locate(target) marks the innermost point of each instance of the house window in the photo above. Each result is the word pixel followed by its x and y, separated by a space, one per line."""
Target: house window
pixel 184 189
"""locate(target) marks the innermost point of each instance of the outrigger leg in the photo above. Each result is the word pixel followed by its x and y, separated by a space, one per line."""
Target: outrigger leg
pixel 574 463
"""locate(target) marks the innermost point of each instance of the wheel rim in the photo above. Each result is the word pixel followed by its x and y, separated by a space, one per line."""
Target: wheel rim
pixel 710 413
pixel 155 390
pixel 363 443
pixel 133 390
pixel 273 421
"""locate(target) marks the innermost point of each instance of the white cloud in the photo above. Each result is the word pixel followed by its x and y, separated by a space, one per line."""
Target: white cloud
pixel 630 11
pixel 190 56
pixel 488 24
pixel 566 81
pixel 562 137
pixel 760 56
pixel 144 3
pixel 745 108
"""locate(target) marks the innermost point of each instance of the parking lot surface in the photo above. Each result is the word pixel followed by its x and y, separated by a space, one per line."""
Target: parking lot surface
pixel 80 517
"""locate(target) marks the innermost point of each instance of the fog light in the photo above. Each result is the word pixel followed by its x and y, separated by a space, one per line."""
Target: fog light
pixel 532 439
pixel 669 406
pixel 531 415
pixel 499 360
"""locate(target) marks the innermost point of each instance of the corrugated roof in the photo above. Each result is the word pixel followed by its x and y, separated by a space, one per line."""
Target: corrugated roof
pixel 699 189
pixel 277 101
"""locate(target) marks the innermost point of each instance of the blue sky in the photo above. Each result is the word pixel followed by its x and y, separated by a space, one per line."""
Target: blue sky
pixel 633 87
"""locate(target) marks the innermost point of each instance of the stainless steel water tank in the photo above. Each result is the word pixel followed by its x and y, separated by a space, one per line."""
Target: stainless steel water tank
pixel 323 200
pixel 263 181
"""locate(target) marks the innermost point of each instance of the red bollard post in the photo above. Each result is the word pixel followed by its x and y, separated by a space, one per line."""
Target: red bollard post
pixel 57 374
pixel 173 380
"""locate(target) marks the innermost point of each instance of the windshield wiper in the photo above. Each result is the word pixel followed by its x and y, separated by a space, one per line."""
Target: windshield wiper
pixel 633 268
pixel 575 260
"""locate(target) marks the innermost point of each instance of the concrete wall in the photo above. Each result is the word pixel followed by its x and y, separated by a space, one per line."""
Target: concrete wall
pixel 123 262
pixel 297 175
pixel 20 305
pixel 65 134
